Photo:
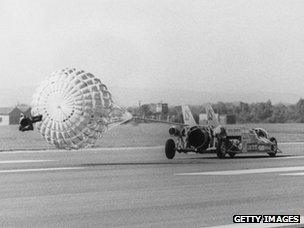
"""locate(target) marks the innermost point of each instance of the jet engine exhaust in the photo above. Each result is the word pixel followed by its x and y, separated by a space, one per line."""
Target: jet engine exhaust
pixel 198 138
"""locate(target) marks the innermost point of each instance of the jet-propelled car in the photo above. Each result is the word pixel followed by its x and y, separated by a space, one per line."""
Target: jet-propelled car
pixel 212 137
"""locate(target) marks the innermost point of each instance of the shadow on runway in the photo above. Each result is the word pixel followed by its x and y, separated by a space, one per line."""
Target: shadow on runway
pixel 182 161
pixel 145 163
pixel 243 157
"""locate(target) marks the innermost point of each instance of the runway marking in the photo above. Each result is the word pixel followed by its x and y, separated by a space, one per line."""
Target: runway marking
pixel 290 157
pixel 291 143
pixel 109 148
pixel 40 169
pixel 22 161
pixel 259 225
pixel 127 148
pixel 292 174
pixel 244 171
pixel 80 150
pixel 105 149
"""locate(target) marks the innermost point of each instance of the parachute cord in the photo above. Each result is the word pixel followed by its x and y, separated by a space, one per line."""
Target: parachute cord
pixel 62 112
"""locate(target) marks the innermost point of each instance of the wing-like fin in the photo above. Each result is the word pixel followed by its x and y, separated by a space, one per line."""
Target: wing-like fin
pixel 187 116
pixel 211 117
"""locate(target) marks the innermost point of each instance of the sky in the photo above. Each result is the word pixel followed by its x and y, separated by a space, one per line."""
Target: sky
pixel 232 46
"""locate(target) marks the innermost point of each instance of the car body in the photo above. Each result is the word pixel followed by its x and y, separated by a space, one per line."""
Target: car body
pixel 191 137
pixel 241 140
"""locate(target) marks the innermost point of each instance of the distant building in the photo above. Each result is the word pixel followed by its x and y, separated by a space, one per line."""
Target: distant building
pixel 203 118
pixel 223 119
pixel 25 109
pixel 4 115
pixel 157 111
pixel 11 115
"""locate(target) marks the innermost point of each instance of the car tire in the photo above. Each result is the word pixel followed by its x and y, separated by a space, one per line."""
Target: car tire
pixel 221 149
pixel 170 149
pixel 231 155
pixel 274 148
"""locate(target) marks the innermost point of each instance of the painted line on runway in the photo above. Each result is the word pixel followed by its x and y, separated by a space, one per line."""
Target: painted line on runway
pixel 259 225
pixel 112 148
pixel 291 143
pixel 105 149
pixel 292 174
pixel 23 161
pixel 80 150
pixel 290 157
pixel 127 148
pixel 244 171
pixel 40 169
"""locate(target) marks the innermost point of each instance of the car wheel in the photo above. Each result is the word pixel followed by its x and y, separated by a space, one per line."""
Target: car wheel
pixel 221 150
pixel 231 155
pixel 170 149
pixel 274 147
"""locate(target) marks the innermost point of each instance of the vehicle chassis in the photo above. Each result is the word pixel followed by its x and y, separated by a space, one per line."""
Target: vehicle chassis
pixel 245 142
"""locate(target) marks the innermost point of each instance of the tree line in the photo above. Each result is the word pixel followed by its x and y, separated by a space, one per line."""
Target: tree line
pixel 262 112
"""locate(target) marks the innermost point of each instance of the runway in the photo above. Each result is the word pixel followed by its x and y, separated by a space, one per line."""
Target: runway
pixel 139 187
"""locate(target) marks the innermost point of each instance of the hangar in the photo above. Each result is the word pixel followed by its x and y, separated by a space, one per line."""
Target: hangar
pixel 11 115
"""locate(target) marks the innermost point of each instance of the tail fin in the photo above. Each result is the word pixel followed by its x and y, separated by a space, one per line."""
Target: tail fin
pixel 187 116
pixel 211 117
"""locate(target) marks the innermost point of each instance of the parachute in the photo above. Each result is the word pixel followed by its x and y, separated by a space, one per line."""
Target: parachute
pixel 76 109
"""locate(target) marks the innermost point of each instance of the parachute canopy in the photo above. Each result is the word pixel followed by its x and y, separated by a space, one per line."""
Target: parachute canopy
pixel 76 109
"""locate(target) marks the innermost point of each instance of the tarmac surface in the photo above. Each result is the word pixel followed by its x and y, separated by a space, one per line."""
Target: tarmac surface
pixel 139 187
